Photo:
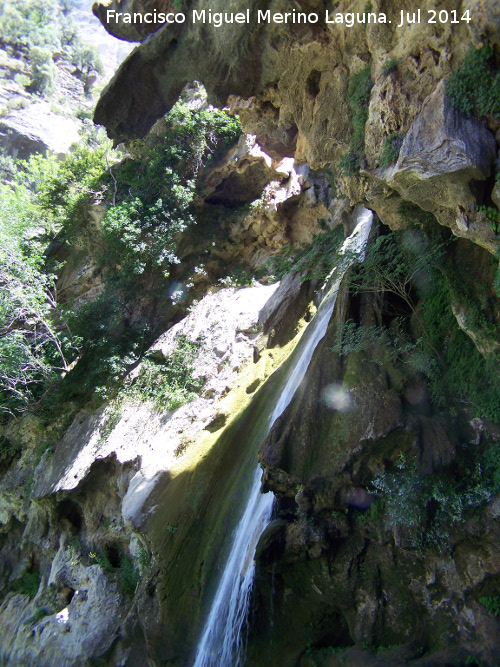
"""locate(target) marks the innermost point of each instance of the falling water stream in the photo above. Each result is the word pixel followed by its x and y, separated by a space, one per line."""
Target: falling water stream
pixel 222 640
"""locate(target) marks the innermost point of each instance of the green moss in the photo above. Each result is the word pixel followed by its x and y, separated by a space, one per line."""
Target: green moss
pixel 38 615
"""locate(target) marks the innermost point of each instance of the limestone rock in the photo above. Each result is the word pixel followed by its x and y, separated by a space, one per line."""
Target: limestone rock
pixel 36 129
pixel 441 154
pixel 280 315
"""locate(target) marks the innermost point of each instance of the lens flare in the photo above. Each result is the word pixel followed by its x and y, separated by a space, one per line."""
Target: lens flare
pixel 337 398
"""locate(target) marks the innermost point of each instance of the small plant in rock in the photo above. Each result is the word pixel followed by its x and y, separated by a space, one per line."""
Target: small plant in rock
pixel 144 557
pixel 492 216
pixel 390 149
pixel 360 86
pixel 28 584
pixel 349 164
pixel 389 66
pixel 491 603
pixel 428 506
pixel 172 383
pixel 101 558
pixel 128 576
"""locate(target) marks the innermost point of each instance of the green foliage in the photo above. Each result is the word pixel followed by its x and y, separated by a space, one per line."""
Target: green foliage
pixel 349 164
pixel 390 65
pixel 32 351
pixel 86 58
pixel 128 575
pixel 102 559
pixel 429 506
pixel 360 86
pixel 390 149
pixel 27 23
pixel 315 260
pixel 172 383
pixel 467 375
pixel 144 557
pixel 406 265
pixel 39 28
pixel 367 10
pixel 43 70
pixel 474 87
pixel 28 584
pixel 492 604
pixel 148 201
pixel 492 215
pixel 112 419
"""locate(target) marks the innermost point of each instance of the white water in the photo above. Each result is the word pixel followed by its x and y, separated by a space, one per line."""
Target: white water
pixel 222 641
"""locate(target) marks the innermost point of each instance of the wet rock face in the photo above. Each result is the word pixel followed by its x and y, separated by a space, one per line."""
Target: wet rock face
pixel 331 572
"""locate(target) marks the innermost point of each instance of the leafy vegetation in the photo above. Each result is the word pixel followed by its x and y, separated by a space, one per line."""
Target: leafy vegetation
pixel 492 604
pixel 148 205
pixel 124 569
pixel 390 149
pixel 405 265
pixel 172 383
pixel 474 87
pixel 38 29
pixel 360 86
pixel 390 65
pixel 33 344
pixel 315 260
pixel 28 584
pixel 38 615
pixel 492 215
pixel 429 506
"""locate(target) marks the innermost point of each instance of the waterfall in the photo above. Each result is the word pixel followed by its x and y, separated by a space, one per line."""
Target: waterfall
pixel 222 640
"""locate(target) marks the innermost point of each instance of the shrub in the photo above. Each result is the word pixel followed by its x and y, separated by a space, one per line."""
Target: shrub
pixel 492 215
pixel 406 265
pixel 28 584
pixel 428 506
pixel 390 149
pixel 128 576
pixel 315 259
pixel 474 87
pixel 390 65
pixel 43 71
pixel 38 615
pixel 349 164
pixel 360 86
pixel 172 383
pixel 492 604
